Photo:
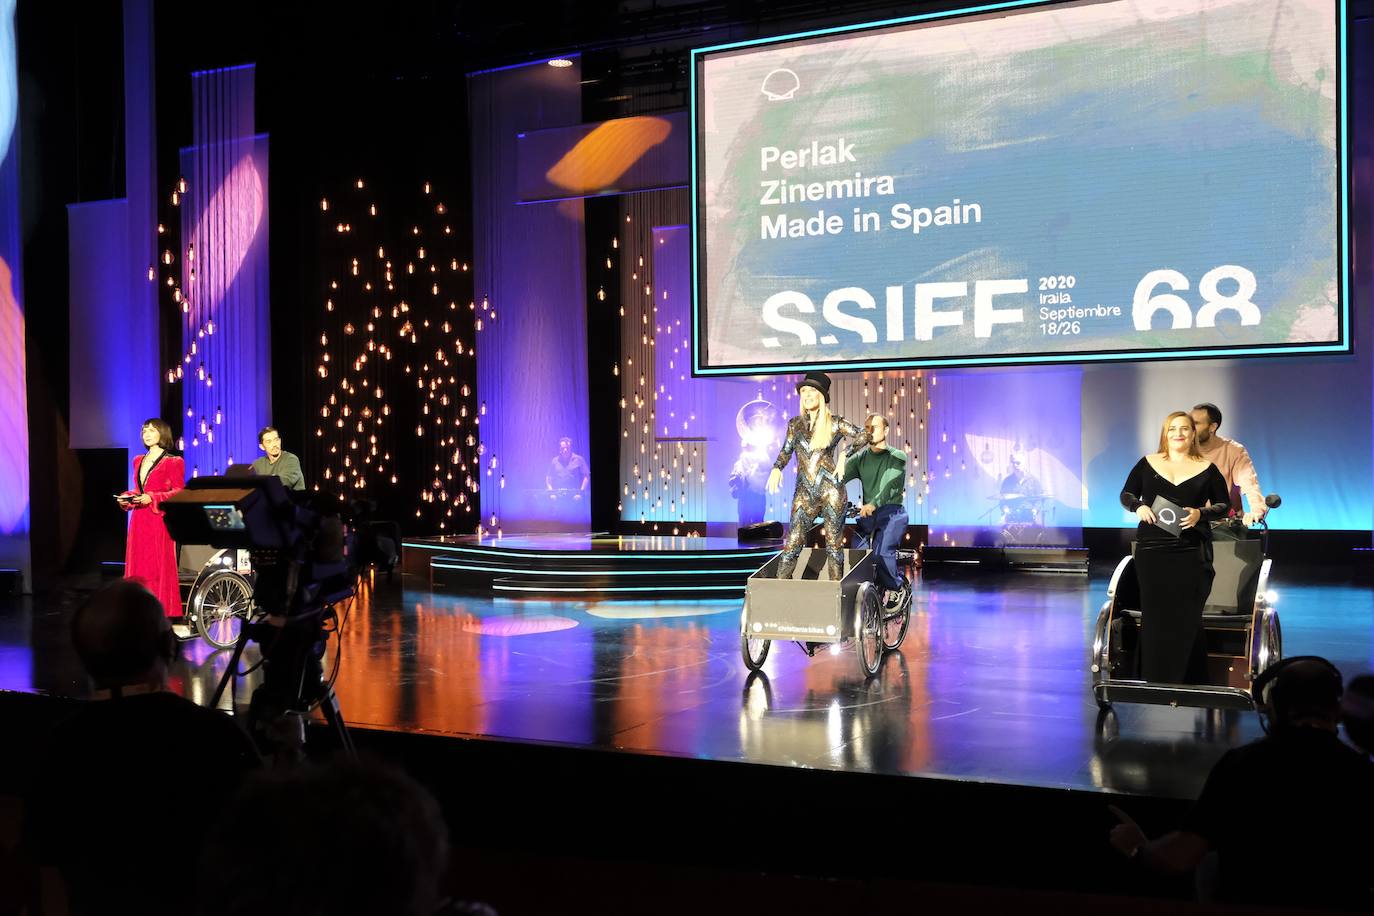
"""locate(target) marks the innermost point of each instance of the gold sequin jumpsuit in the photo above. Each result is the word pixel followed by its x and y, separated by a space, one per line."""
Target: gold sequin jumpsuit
pixel 819 492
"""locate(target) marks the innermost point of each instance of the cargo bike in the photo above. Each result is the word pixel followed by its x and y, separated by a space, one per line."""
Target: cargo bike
pixel 814 610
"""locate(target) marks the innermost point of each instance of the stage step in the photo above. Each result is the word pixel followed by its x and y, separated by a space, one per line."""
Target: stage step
pixel 1024 559
pixel 587 566
pixel 572 589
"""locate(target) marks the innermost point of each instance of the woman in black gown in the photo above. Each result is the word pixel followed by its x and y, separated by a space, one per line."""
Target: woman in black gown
pixel 1175 573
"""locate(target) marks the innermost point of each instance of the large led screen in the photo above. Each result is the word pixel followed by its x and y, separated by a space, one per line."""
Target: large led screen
pixel 1016 183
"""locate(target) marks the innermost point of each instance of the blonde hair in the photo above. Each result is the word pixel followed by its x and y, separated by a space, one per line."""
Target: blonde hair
pixel 1193 451
pixel 822 427
pixel 822 431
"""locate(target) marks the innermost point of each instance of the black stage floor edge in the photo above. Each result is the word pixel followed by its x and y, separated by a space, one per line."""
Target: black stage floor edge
pixel 516 799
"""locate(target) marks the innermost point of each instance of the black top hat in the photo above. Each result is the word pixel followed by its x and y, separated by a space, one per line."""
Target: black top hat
pixel 818 380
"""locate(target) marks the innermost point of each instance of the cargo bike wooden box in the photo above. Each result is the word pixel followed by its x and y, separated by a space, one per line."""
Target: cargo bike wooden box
pixel 812 609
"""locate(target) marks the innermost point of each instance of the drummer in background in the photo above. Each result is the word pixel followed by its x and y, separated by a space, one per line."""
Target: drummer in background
pixel 567 472
pixel 1019 483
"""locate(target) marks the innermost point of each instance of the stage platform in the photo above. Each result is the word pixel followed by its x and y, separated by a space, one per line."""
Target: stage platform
pixel 581 565
pixel 1071 560
pixel 629 727
pixel 991 683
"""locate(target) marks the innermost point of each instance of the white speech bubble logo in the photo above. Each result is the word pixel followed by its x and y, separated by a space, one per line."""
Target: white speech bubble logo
pixel 780 85
pixel 1168 516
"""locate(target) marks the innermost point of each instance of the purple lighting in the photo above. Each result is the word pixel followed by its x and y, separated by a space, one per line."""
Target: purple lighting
pixel 529 265
pixel 222 290
pixel 226 229
pixel 14 438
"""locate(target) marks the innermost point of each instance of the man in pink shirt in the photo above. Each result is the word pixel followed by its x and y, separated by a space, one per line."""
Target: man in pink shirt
pixel 1232 460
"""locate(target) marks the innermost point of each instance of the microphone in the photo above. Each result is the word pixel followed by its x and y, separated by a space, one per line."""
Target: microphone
pixel 1273 500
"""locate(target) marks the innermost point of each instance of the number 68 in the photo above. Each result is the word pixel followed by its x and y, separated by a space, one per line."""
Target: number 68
pixel 1144 305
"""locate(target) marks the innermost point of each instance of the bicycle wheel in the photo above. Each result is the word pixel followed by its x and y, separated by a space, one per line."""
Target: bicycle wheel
pixel 868 628
pixel 221 605
pixel 895 624
pixel 755 651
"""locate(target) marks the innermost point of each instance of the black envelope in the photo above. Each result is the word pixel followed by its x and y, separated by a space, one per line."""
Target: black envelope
pixel 1168 515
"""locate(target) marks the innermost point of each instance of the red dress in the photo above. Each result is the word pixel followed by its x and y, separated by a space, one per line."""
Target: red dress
pixel 151 556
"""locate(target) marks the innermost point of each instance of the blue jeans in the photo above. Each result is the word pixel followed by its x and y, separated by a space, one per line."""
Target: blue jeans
pixel 883 531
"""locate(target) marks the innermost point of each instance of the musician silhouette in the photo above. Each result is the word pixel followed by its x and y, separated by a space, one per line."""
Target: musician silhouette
pixel 1020 494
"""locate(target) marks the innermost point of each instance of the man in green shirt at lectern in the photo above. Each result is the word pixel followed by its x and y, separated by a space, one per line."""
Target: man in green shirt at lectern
pixel 277 462
pixel 882 520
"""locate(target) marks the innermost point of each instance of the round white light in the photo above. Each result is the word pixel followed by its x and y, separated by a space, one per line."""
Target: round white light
pixel 560 62
pixel 830 630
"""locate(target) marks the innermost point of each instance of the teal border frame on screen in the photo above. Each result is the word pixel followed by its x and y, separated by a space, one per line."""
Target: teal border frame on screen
pixel 1344 345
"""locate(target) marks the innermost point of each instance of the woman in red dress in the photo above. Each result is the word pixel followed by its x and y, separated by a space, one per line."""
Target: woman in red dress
pixel 151 557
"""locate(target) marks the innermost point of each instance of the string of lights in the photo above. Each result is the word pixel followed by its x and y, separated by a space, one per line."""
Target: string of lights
pixel 212 273
pixel 394 372
pixel 665 432
pixel 170 276
pixel 205 263
pixel 663 439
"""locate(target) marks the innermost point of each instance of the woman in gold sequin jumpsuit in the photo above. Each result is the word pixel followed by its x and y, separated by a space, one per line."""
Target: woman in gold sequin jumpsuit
pixel 817 437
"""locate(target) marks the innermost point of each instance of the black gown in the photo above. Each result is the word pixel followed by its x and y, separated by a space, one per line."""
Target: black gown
pixel 1175 573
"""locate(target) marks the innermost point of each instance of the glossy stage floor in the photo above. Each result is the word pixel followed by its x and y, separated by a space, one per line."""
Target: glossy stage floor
pixel 568 735
pixel 990 686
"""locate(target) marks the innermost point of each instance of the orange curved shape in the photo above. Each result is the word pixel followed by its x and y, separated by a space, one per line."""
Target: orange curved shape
pixel 598 160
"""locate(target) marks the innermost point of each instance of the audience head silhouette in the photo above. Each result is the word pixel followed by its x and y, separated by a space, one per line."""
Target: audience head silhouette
pixel 1357 711
pixel 372 830
pixel 122 637
pixel 1303 691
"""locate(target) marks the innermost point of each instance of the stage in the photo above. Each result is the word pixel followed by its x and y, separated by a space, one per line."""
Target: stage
pixel 590 731
pixel 990 686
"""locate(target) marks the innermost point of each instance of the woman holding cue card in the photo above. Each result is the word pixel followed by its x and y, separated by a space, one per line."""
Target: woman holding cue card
pixel 1174 492
pixel 150 556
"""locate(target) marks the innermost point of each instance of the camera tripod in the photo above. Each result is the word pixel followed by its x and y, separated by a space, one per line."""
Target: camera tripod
pixel 293 681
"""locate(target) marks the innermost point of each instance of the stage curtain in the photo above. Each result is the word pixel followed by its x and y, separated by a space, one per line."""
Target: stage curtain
pixel 529 282
pixel 225 274
pixel 1005 458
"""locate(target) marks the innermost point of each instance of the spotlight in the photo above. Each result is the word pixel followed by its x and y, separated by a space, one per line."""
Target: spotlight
pixel 560 62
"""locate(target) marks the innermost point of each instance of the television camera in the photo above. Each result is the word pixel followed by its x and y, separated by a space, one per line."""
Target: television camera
pixel 305 564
